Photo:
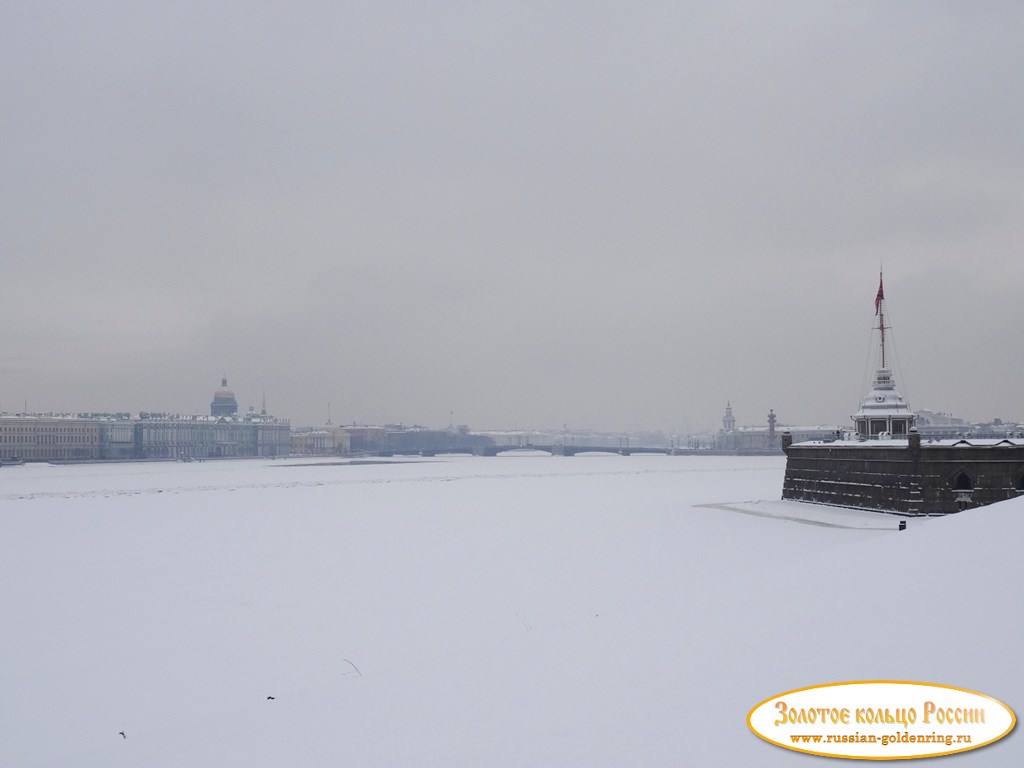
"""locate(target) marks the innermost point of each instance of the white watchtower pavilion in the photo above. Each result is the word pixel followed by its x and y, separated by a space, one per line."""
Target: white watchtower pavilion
pixel 883 412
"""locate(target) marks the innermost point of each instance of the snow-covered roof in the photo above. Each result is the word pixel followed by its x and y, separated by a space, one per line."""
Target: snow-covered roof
pixel 903 442
pixel 883 399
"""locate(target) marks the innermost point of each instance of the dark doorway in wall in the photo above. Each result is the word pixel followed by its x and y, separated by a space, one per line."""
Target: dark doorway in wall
pixel 962 482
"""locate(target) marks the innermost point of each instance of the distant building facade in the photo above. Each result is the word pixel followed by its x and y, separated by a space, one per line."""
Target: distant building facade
pixel 761 439
pixel 167 436
pixel 322 441
pixel 45 437
pixel 121 436
pixel 147 436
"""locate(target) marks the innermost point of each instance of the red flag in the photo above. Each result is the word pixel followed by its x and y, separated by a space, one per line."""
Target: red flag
pixel 879 296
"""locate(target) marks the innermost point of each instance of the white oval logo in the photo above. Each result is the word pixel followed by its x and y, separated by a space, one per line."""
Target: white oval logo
pixel 881 720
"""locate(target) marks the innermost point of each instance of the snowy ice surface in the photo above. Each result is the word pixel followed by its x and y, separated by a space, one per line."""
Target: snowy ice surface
pixel 512 611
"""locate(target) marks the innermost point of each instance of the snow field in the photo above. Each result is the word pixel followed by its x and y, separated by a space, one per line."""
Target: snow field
pixel 509 611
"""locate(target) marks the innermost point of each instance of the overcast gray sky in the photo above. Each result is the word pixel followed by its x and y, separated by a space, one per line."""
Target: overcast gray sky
pixel 607 215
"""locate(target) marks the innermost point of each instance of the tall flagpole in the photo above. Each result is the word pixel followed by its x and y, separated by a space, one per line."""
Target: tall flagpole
pixel 881 314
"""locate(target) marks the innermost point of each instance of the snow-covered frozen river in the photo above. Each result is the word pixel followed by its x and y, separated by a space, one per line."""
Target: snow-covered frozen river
pixel 509 611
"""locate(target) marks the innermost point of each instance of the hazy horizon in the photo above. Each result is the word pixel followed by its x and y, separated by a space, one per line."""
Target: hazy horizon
pixel 522 214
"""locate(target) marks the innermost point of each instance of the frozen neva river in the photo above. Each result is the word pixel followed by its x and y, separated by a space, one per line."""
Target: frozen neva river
pixel 514 611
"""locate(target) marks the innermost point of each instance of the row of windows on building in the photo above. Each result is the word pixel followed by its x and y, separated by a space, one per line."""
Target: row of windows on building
pixel 55 438
pixel 44 439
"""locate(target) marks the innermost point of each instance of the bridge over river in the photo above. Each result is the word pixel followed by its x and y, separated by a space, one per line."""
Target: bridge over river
pixel 557 449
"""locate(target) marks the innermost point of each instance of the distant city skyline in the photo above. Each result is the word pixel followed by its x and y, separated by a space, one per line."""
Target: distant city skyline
pixel 615 217
pixel 223 403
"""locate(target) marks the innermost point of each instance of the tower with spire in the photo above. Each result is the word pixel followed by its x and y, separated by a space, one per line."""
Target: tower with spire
pixel 883 412
pixel 728 421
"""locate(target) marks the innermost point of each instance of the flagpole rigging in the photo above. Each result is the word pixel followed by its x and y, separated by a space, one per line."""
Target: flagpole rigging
pixel 880 311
